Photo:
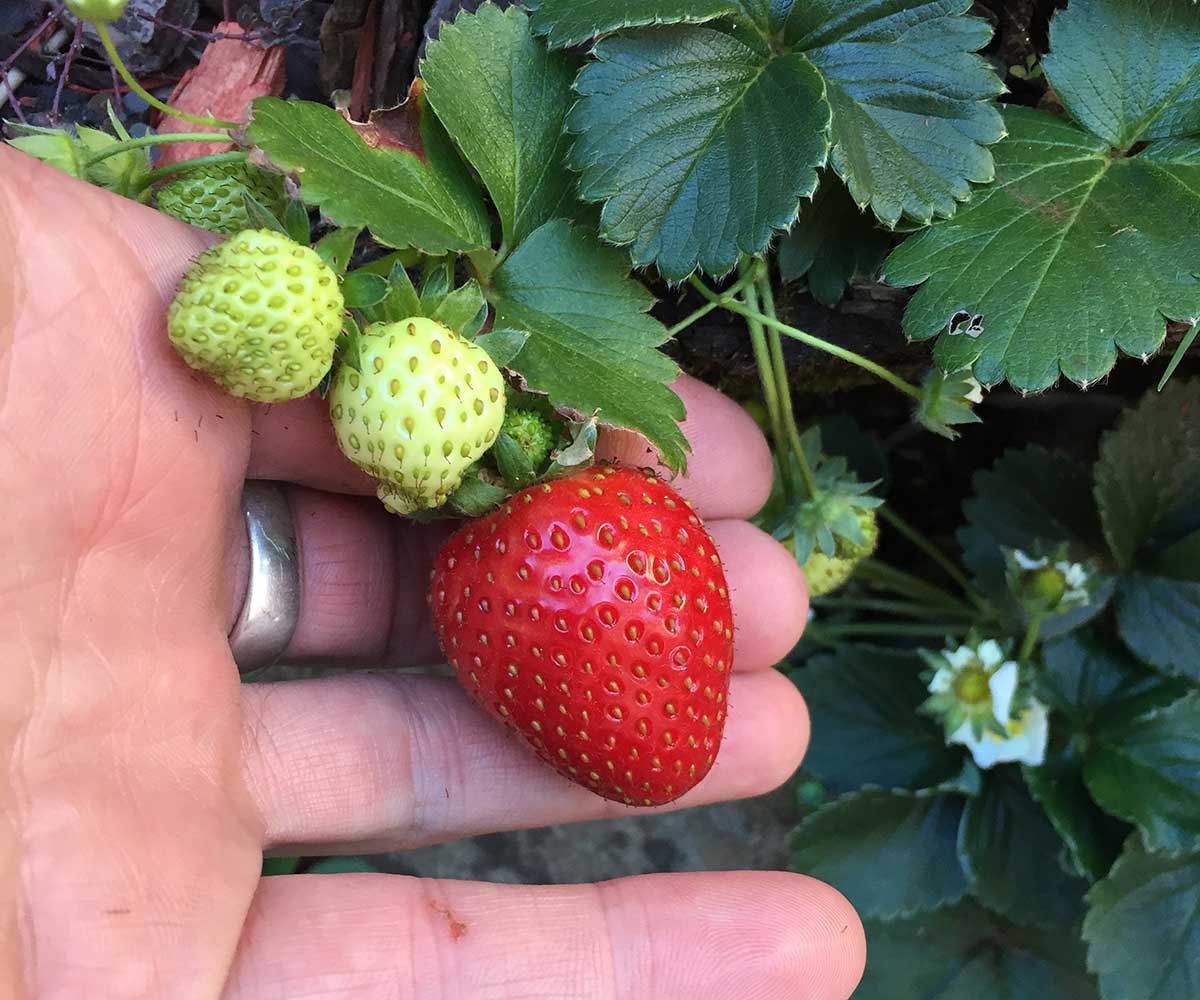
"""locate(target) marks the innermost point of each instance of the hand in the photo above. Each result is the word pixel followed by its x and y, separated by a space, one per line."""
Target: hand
pixel 145 782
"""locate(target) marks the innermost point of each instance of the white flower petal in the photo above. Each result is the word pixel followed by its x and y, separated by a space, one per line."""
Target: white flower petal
pixel 959 658
pixel 990 653
pixel 962 736
pixel 1003 685
pixel 1035 733
pixel 1028 562
pixel 943 680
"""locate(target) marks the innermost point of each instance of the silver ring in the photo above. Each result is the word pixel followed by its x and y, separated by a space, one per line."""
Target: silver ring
pixel 271 610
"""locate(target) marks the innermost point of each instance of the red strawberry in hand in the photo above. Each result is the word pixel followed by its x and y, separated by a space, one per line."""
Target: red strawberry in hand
pixel 591 615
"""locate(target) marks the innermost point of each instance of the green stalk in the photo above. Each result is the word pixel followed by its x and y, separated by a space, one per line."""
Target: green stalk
pixel 718 302
pixel 126 145
pixel 931 550
pixel 1030 640
pixel 824 345
pixel 888 607
pixel 159 173
pixel 907 585
pixel 888 630
pixel 787 415
pixel 119 65
pixel 762 359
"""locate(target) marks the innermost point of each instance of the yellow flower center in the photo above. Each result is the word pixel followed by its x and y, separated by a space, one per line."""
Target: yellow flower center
pixel 971 686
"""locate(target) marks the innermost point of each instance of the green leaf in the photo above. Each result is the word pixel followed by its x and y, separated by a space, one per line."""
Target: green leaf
pixel 476 496
pixel 280 866
pixel 1143 927
pixel 700 144
pixel 1159 619
pixel 1092 679
pixel 1030 497
pixel 337 247
pixel 460 306
pixel 1142 81
pixel 1009 849
pixel 569 22
pixel 1147 771
pixel 911 99
pixel 295 222
pixel 261 217
pixel 437 278
pixel 965 953
pixel 1148 474
pixel 362 289
pixel 1070 256
pixel 512 462
pixel 1092 837
pixel 889 853
pixel 402 300
pixel 863 701
pixel 340 866
pixel 591 343
pixel 502 98
pixel 410 190
pixel 832 242
pixel 502 345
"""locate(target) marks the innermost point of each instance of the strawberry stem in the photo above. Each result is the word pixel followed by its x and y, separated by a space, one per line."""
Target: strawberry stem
pixel 770 388
pixel 931 550
pixel 829 348
pixel 170 169
pixel 766 296
pixel 119 65
pixel 889 578
pixel 857 630
pixel 1030 640
pixel 717 303
pixel 151 140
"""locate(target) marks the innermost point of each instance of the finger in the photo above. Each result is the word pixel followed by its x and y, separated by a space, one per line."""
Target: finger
pixel 387 762
pixel 724 935
pixel 294 442
pixel 769 595
pixel 729 470
pixel 365 574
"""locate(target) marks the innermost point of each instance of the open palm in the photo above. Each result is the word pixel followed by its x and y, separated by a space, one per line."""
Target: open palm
pixel 144 782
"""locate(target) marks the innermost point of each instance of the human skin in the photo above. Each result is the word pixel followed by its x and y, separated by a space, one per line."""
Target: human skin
pixel 143 781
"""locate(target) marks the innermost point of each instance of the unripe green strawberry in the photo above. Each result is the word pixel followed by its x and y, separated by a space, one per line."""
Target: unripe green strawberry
pixel 97 11
pixel 420 408
pixel 532 433
pixel 825 573
pixel 211 197
pixel 260 314
pixel 854 551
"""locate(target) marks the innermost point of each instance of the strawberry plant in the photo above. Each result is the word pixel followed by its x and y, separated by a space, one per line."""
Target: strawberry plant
pixel 1010 765
pixel 1027 769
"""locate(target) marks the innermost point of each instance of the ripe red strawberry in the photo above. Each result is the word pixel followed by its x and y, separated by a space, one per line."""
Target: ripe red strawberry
pixel 591 615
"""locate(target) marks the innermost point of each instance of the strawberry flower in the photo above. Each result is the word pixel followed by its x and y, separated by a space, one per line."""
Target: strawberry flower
pixel 977 693
pixel 1053 583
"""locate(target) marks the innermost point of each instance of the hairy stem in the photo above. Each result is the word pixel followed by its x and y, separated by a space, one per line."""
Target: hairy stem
pixel 114 57
pixel 889 578
pixel 931 550
pixel 787 415
pixel 153 140
pixel 160 173
pixel 1031 637
pixel 829 348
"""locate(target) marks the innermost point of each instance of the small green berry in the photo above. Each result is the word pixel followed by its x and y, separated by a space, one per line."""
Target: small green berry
pixel 421 406
pixel 260 314
pixel 211 197
pixel 532 433
pixel 97 11
pixel 825 574
pixel 855 551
